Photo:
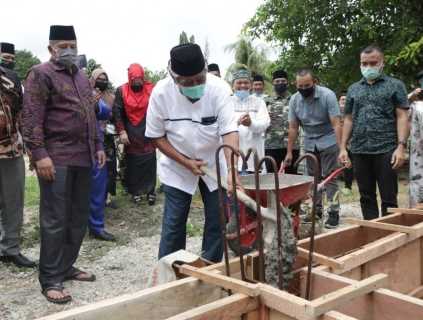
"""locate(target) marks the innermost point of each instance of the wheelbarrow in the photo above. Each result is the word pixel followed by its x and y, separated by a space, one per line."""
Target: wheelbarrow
pixel 292 190
pixel 287 189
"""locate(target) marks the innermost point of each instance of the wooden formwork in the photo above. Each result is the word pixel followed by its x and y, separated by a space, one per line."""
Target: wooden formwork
pixel 372 270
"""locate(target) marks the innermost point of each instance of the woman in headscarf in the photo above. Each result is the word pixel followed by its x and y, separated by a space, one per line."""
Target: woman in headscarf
pixel 130 109
pixel 100 83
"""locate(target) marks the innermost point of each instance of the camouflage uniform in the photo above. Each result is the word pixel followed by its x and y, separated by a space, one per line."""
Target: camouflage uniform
pixel 12 166
pixel 277 133
pixel 416 153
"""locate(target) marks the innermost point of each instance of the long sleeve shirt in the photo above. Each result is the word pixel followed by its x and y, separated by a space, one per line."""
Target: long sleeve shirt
pixel 10 108
pixel 253 135
pixel 59 118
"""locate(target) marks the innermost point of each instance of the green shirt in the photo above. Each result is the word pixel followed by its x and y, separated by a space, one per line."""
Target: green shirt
pixel 277 132
pixel 373 110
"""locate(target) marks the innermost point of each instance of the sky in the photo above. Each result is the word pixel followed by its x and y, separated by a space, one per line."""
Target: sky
pixel 120 32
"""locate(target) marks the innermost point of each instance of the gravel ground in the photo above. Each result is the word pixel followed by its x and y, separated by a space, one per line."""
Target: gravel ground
pixel 121 267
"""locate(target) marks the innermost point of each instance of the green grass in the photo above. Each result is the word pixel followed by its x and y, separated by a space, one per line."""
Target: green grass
pixel 32 192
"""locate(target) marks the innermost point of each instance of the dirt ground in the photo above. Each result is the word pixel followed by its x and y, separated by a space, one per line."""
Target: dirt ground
pixel 121 267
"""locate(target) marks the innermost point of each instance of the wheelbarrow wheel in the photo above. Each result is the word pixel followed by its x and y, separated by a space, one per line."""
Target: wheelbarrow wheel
pixel 248 239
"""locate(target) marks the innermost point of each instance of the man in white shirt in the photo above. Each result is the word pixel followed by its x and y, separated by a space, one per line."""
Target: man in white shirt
pixel 252 117
pixel 188 118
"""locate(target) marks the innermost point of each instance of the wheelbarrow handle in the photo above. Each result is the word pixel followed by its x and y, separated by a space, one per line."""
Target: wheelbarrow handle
pixel 329 178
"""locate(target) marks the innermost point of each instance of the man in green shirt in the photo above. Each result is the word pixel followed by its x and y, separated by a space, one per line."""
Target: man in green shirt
pixel 376 115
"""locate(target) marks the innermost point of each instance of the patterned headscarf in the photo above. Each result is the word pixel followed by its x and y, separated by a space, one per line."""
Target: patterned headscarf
pixel 241 74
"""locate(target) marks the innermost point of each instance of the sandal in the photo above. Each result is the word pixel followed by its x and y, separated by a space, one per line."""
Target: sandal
pixel 65 299
pixel 76 273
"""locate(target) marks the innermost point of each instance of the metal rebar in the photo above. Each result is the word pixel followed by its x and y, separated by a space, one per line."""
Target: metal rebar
pixel 316 167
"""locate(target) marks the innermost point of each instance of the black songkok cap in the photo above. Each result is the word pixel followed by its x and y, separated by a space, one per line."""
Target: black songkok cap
pixel 213 67
pixel 187 59
pixel 6 47
pixel 62 33
pixel 258 77
pixel 279 74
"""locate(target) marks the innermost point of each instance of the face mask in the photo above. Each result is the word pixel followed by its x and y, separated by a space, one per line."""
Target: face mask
pixel 280 88
pixel 307 92
pixel 101 85
pixel 66 57
pixel 195 92
pixel 242 94
pixel 136 87
pixel 371 73
pixel 7 64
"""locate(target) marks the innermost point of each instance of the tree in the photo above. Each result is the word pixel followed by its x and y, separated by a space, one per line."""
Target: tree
pixel 328 35
pixel 25 60
pixel 183 38
pixel 254 58
pixel 155 76
pixel 91 66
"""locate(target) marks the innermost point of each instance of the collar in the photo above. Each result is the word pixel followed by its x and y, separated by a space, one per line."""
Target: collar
pixel 287 95
pixel 383 77
pixel 59 67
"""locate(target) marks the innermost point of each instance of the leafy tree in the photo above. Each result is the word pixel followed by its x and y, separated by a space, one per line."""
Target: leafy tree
pixel 328 35
pixel 155 76
pixel 25 60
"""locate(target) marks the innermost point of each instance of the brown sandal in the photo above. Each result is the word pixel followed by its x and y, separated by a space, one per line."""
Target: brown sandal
pixel 65 299
pixel 76 273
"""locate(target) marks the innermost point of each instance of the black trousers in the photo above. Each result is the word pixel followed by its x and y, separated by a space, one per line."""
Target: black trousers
pixel 64 211
pixel 279 155
pixel 371 170
pixel 349 174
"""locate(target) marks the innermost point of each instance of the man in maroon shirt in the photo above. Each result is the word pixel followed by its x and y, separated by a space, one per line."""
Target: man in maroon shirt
pixel 60 131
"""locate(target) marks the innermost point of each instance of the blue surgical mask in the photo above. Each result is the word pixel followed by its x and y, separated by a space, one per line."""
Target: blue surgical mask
pixel 371 73
pixel 194 92
pixel 242 94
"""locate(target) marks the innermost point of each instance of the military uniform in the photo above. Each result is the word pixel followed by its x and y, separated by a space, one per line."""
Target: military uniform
pixel 12 166
pixel 276 142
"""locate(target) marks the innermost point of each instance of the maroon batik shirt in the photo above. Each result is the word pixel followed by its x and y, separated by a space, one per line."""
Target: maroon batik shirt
pixel 58 119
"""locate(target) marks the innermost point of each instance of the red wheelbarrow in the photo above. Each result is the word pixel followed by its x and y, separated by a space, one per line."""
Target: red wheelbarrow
pixel 292 190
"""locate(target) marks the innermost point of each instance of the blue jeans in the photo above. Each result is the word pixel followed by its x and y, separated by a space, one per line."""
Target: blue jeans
pixel 176 209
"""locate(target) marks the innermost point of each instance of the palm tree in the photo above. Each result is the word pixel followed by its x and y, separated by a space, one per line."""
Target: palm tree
pixel 249 56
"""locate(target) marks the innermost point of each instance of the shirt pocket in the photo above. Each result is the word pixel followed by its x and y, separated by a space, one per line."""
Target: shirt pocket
pixel 208 133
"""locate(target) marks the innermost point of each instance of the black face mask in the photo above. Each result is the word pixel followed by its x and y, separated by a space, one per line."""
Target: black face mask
pixel 307 92
pixel 101 85
pixel 280 88
pixel 136 87
pixel 8 65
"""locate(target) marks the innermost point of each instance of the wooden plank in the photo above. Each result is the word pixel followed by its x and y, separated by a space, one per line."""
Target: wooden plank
pixel 335 315
pixel 370 252
pixel 155 303
pixel 220 280
pixel 381 225
pixel 227 308
pixel 390 305
pixel 285 303
pixel 405 210
pixel 321 259
pixel 336 298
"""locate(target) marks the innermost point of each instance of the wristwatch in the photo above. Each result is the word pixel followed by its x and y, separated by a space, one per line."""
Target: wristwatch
pixel 403 143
